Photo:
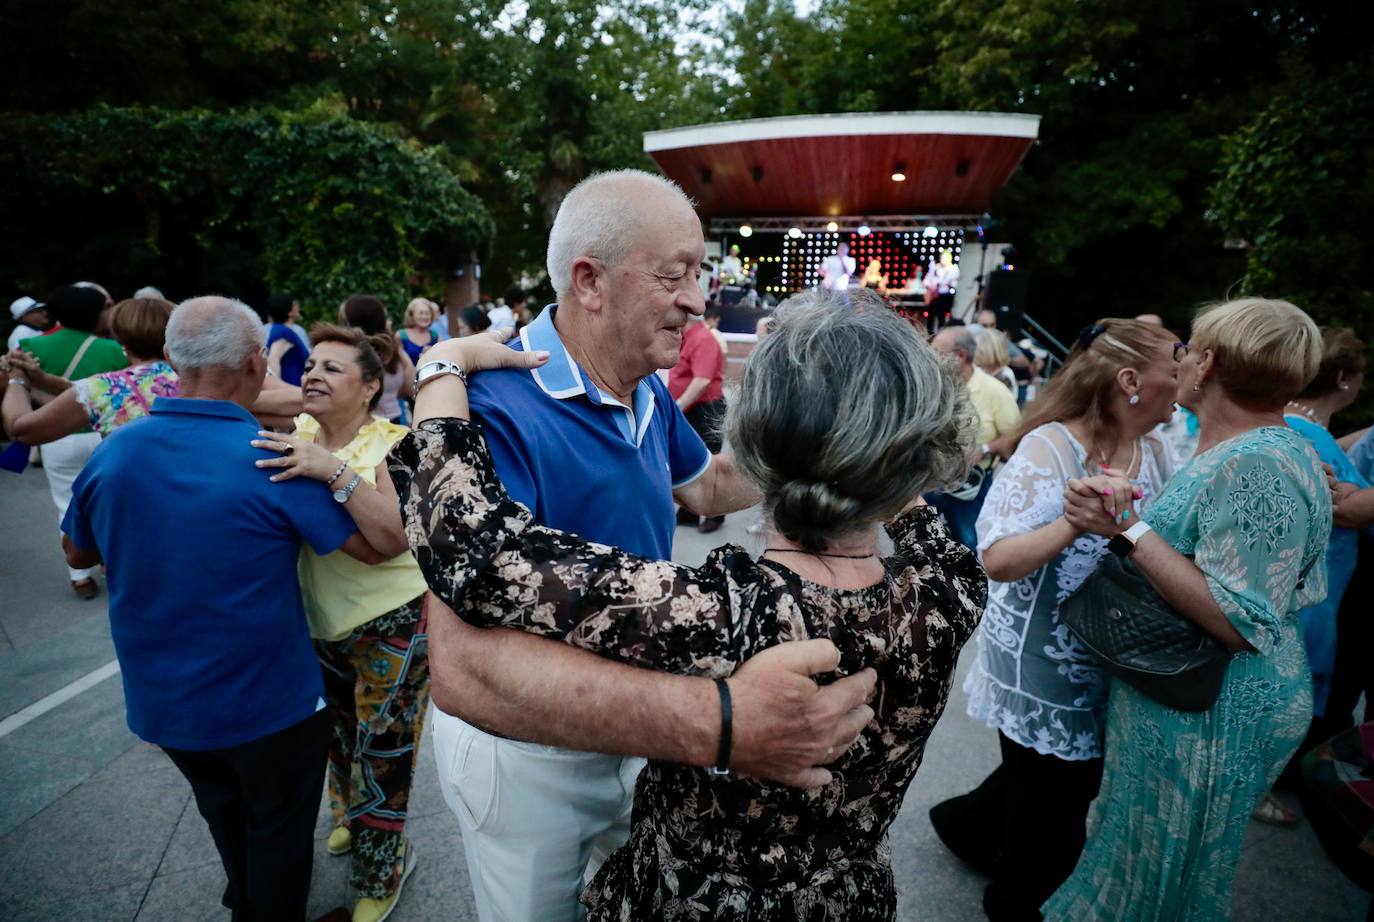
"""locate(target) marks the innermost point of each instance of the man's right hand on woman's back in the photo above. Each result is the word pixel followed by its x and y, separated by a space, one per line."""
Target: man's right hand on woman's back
pixel 786 727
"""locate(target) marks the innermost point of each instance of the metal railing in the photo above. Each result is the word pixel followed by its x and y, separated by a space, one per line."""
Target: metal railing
pixel 1055 351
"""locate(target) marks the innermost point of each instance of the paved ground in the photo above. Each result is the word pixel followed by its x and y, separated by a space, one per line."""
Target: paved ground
pixel 95 825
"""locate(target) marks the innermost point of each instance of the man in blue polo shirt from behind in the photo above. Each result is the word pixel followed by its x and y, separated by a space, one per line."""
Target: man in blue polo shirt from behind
pixel 205 610
pixel 593 444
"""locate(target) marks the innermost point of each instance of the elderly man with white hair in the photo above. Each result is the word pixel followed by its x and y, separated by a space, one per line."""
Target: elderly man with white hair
pixel 592 443
pixel 998 417
pixel 205 609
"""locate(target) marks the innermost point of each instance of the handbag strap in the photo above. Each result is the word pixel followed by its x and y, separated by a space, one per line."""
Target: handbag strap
pixel 1302 577
pixel 80 354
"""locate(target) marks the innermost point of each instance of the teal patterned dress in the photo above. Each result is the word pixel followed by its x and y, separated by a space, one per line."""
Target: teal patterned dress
pixel 1179 788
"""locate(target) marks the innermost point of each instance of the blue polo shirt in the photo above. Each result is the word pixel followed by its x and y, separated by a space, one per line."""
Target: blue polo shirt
pixel 579 459
pixel 200 552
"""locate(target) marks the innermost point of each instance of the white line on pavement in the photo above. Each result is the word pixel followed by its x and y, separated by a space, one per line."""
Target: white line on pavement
pixel 65 693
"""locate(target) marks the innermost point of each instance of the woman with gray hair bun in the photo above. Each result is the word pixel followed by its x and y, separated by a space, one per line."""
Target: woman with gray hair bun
pixel 844 417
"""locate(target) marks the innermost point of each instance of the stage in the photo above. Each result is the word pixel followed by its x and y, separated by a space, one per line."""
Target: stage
pixel 905 192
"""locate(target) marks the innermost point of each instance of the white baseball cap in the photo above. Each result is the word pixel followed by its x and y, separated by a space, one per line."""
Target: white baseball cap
pixel 22 306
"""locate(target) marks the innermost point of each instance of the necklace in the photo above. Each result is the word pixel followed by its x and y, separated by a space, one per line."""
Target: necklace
pixel 1305 410
pixel 784 550
pixel 1135 456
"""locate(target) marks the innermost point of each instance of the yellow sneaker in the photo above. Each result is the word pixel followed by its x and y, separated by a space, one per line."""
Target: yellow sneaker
pixel 375 910
pixel 340 841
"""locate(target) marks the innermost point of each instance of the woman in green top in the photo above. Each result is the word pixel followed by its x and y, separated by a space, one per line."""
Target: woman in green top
pixel 368 621
pixel 75 351
pixel 1232 534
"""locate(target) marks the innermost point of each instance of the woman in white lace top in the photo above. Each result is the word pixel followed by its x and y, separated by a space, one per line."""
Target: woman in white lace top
pixel 1033 681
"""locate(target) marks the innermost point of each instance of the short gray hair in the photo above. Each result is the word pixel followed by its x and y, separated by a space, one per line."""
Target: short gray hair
pixel 602 216
pixel 213 332
pixel 964 342
pixel 845 415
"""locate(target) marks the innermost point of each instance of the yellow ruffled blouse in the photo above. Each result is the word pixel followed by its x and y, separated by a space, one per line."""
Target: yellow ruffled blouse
pixel 340 593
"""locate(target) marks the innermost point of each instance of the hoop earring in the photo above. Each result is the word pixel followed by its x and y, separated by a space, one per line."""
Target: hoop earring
pixel 1135 399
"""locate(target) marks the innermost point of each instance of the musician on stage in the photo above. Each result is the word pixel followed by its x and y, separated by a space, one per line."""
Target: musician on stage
pixel 874 277
pixel 837 269
pixel 940 281
pixel 731 269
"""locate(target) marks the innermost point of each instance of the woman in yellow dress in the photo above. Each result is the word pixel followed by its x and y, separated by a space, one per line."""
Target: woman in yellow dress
pixel 368 622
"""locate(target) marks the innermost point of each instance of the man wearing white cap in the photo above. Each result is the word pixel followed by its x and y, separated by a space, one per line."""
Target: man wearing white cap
pixel 30 320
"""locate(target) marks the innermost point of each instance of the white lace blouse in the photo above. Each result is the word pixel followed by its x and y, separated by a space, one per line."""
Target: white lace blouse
pixel 1033 680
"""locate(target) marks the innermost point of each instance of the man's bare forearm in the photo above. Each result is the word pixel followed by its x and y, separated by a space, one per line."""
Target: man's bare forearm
pixel 785 726
pixel 1348 440
pixel 721 490
pixel 1356 510
pixel 277 399
pixel 545 691
pixel 689 397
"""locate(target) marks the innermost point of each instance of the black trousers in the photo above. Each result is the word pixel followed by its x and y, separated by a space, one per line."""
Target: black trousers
pixel 707 419
pixel 1354 639
pixel 260 800
pixel 1024 826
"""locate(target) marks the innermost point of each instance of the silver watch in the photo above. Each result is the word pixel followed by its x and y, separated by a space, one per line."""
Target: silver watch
pixel 342 494
pixel 431 370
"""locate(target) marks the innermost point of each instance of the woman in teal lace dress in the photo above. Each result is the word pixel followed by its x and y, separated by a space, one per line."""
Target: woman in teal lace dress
pixel 1233 534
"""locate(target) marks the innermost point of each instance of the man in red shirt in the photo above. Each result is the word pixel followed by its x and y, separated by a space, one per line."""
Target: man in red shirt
pixel 697 384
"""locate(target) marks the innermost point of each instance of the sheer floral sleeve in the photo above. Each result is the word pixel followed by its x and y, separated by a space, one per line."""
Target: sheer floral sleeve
pixel 942 563
pixel 482 554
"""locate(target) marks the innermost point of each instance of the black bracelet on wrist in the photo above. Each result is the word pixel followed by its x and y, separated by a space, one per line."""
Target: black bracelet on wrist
pixel 722 766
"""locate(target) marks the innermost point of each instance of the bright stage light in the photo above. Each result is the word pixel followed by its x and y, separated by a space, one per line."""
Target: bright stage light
pixel 864 230
pixel 899 172
pixel 832 227
pixel 794 232
pixel 746 230
pixel 931 231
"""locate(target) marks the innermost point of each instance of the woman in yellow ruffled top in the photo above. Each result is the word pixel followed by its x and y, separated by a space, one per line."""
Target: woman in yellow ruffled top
pixel 368 622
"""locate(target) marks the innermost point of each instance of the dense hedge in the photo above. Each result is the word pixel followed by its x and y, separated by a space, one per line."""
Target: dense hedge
pixel 1296 184
pixel 239 202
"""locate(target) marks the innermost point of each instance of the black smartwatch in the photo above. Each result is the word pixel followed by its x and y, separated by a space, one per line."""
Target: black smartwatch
pixel 1123 544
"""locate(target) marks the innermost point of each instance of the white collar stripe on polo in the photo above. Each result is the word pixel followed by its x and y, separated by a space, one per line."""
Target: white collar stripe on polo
pixel 562 379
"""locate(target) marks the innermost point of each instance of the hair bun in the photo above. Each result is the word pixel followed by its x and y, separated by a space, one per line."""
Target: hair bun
pixel 384 344
pixel 811 512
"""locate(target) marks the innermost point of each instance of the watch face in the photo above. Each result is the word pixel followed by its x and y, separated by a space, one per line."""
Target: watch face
pixel 429 370
pixel 1120 545
pixel 340 496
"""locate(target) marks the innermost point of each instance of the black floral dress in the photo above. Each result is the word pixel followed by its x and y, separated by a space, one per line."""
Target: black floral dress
pixel 704 846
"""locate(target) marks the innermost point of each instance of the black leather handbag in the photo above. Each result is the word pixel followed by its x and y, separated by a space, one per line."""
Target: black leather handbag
pixel 1141 640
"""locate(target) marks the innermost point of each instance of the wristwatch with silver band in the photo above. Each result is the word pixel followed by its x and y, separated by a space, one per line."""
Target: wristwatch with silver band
pixel 428 371
pixel 342 494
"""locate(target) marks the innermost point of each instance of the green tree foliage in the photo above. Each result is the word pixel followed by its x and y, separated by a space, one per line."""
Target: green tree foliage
pixel 71 54
pixel 1145 105
pixel 569 87
pixel 314 203
pixel 1295 184
pixel 521 100
pixel 1137 99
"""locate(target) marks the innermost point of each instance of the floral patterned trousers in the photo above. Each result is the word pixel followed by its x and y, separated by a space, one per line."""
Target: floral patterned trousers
pixel 376 683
